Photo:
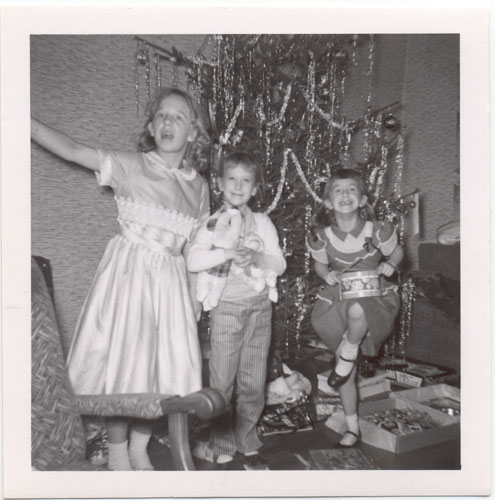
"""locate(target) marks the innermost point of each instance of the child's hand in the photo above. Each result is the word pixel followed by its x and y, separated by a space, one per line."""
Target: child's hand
pixel 332 278
pixel 244 257
pixel 386 269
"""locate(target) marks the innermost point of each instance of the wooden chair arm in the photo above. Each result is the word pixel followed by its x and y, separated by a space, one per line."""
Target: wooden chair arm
pixel 206 403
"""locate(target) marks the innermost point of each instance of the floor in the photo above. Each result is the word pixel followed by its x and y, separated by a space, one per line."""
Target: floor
pixel 292 451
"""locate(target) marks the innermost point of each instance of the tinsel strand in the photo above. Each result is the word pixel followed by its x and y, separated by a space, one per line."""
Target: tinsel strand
pixel 311 83
pixel 303 177
pixel 156 60
pixel 324 115
pixel 224 138
pixel 148 72
pixel 371 53
pixel 136 83
pixel 281 182
pixel 283 108
pixel 399 165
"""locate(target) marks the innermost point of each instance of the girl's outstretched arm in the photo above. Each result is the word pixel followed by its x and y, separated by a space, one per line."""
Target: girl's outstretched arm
pixel 64 146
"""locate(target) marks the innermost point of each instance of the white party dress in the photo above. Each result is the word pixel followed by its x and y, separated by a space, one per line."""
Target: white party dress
pixel 137 330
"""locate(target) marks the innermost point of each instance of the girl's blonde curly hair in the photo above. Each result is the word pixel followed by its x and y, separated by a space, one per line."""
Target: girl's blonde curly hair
pixel 197 151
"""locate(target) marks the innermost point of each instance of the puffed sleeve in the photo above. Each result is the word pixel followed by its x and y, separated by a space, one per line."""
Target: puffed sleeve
pixel 201 254
pixel 318 248
pixel 115 166
pixel 386 236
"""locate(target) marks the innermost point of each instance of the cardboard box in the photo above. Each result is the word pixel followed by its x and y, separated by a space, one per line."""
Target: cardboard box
pixel 447 430
pixel 412 373
pixel 440 398
pixel 367 386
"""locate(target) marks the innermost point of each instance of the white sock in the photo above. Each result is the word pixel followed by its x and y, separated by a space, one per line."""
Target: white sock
pixel 137 451
pixel 251 453
pixel 224 459
pixel 348 352
pixel 118 456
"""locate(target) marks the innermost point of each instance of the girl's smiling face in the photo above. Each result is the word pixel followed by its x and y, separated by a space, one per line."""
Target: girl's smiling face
pixel 238 184
pixel 345 196
pixel 172 127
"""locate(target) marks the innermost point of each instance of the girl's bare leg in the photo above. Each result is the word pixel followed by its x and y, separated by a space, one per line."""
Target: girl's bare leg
pixel 349 398
pixel 357 326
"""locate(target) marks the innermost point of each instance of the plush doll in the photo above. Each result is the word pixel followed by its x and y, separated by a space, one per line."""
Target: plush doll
pixel 226 225
pixel 256 277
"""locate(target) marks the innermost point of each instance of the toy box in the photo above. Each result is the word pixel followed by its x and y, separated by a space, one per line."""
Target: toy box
pixel 383 435
pixel 446 428
pixel 440 397
pixel 411 373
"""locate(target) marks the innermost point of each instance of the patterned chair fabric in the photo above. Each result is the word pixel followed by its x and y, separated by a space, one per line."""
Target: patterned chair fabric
pixel 57 434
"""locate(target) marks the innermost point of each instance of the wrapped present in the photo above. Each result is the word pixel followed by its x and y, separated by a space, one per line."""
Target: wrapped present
pixel 400 425
pixel 290 416
pixel 288 387
pixel 412 373
pixel 440 397
pixel 96 441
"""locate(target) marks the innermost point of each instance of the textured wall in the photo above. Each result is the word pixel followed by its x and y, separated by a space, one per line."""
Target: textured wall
pixel 431 107
pixel 85 85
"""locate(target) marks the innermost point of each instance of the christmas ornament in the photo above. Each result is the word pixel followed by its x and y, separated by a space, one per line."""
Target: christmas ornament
pixel 237 137
pixel 142 56
pixel 390 122
pixel 290 70
pixel 340 55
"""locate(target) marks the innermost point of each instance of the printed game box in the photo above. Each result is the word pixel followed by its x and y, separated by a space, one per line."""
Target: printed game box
pixel 440 397
pixel 399 425
pixel 411 373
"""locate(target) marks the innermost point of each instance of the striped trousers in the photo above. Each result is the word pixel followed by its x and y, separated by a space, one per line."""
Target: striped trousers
pixel 240 341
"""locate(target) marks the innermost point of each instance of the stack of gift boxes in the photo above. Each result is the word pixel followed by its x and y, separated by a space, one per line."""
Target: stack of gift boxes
pixel 404 404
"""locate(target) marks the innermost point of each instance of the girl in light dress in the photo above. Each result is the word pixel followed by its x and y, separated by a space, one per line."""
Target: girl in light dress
pixel 137 331
pixel 345 237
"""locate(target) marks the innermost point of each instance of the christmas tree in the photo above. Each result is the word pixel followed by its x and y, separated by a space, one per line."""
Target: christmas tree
pixel 280 97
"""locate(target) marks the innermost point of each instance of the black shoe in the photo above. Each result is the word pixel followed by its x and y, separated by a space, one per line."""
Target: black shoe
pixel 255 462
pixel 334 379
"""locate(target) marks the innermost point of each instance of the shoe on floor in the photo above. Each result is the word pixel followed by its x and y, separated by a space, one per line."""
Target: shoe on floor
pixel 350 439
pixel 255 462
pixel 224 459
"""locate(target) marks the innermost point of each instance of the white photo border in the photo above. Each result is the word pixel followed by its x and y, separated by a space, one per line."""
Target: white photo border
pixel 18 23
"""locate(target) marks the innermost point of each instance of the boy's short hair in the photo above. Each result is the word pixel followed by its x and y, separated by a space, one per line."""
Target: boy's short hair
pixel 241 159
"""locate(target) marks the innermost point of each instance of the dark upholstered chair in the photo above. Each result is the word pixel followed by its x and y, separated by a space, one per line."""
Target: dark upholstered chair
pixel 58 441
pixel 435 335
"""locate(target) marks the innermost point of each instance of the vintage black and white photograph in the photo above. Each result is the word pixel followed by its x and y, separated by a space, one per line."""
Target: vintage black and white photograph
pixel 245 255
